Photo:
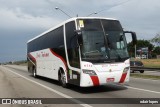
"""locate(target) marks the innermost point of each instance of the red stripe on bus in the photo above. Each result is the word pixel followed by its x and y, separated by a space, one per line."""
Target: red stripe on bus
pixel 60 57
pixel 95 80
pixel 123 77
pixel 32 58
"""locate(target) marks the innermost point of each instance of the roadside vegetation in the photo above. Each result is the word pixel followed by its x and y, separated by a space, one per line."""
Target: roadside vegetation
pixel 151 63
pixel 153 51
pixel 21 62
pixel 146 76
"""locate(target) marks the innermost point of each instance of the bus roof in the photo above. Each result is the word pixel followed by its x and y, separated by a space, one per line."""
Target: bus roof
pixel 71 19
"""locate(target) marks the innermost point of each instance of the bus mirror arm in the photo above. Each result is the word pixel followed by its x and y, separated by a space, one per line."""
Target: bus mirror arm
pixel 134 37
pixel 78 34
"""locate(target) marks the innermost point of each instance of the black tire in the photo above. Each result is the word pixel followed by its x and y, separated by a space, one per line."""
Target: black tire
pixel 34 73
pixel 132 71
pixel 142 71
pixel 62 78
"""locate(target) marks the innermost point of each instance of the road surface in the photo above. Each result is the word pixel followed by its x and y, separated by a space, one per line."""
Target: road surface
pixel 154 73
pixel 16 82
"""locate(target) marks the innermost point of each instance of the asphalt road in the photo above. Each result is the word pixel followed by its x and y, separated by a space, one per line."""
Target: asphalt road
pixel 156 73
pixel 16 82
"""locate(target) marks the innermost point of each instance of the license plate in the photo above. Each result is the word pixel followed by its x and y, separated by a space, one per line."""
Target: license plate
pixel 110 80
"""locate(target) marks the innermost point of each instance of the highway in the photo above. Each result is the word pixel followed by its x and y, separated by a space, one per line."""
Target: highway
pixel 16 82
pixel 154 73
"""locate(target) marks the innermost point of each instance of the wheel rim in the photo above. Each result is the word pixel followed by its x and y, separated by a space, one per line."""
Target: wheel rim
pixel 63 78
pixel 34 73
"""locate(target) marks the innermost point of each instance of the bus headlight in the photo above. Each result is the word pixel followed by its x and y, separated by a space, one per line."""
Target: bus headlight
pixel 126 70
pixel 90 72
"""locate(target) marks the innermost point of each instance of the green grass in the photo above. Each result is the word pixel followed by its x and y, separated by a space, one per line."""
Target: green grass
pixel 155 63
pixel 152 63
pixel 146 76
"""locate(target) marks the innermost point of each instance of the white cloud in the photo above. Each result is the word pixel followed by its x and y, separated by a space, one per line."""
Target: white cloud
pixel 16 20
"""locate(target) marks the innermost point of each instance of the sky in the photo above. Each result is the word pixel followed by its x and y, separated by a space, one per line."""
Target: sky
pixel 21 20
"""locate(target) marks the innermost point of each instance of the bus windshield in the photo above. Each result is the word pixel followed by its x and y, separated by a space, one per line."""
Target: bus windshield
pixel 104 43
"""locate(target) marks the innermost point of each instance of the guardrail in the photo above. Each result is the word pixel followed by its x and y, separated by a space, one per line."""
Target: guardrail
pixel 145 68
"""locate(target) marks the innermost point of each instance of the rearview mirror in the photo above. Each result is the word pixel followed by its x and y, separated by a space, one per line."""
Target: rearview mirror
pixel 134 37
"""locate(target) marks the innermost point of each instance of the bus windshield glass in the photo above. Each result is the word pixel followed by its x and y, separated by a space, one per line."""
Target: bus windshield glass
pixel 103 41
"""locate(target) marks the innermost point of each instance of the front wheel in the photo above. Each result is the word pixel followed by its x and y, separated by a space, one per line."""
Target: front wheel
pixel 63 79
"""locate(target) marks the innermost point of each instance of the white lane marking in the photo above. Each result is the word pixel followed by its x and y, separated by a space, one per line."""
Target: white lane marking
pixel 144 79
pixel 140 89
pixel 143 89
pixel 55 91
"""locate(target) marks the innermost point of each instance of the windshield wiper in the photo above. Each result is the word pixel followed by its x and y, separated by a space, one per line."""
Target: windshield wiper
pixel 119 57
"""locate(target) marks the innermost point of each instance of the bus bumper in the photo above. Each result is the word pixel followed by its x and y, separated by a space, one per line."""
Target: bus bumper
pixel 104 79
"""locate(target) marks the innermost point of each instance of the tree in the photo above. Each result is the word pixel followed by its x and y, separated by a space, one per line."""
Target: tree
pixel 140 44
pixel 156 50
pixel 156 39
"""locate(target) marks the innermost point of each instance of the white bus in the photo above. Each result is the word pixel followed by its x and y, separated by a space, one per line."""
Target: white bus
pixel 84 51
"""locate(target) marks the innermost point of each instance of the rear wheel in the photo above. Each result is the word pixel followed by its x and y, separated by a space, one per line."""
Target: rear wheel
pixel 62 78
pixel 34 73
pixel 142 71
pixel 132 71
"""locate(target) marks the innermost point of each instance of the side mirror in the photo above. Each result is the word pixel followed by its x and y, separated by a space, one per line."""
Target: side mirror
pixel 78 33
pixel 134 37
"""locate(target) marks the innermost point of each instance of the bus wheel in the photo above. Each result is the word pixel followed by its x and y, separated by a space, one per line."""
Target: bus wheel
pixel 62 79
pixel 142 71
pixel 34 73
